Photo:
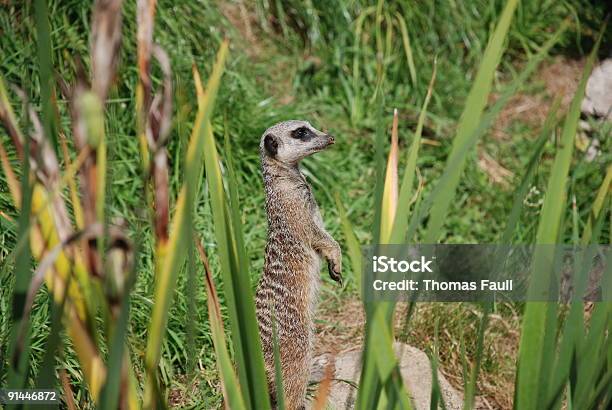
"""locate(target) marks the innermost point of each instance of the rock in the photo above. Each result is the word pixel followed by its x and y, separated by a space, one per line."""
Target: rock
pixel 598 95
pixel 416 372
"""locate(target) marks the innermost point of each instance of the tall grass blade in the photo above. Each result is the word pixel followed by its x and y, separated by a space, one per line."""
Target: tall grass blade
pixel 448 179
pixel 570 342
pixel 389 198
pixel 110 395
pixel 7 115
pixel 237 285
pixel 46 375
pixel 377 314
pixel 584 351
pixel 190 289
pixel 11 179
pixel 67 389
pixel 74 193
pixel 45 70
pixel 352 243
pixel 380 363
pixel 532 165
pixel 403 204
pixel 234 204
pixel 470 119
pixel 603 191
pixel 177 244
pixel 470 390
pixel 538 320
pixel 436 399
pixel 278 370
pixel 379 163
pixel 18 369
pixel 407 48
pixel 231 389
pixel 590 367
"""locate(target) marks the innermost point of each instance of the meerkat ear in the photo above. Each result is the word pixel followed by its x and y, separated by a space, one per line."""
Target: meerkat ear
pixel 271 145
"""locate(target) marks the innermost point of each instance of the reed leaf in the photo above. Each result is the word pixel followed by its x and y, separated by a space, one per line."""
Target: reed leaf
pixel 379 362
pixel 76 313
pixel 278 369
pixel 521 192
pixel 231 389
pixel 572 349
pixel 602 193
pixel 453 165
pixel 389 198
pixel 539 318
pixel 590 367
pixel 18 369
pixel 175 253
pixel 407 47
pixel 378 314
pixel 118 361
pixel 43 235
pixel 352 243
pixel 74 192
pixel 379 163
pixel 7 115
pixel 470 386
pixel 43 48
pixel 237 286
pixel 403 203
pixel 11 179
pixel 469 122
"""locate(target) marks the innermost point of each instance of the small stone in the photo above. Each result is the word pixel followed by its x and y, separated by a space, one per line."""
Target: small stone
pixel 598 94
pixel 416 372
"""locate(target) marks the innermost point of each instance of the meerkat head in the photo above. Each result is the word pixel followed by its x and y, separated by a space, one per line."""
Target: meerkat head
pixel 290 141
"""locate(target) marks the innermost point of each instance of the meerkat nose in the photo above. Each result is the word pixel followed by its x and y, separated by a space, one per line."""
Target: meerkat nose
pixel 331 138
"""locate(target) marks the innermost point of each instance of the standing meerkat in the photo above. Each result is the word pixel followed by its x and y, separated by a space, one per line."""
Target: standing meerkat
pixel 297 241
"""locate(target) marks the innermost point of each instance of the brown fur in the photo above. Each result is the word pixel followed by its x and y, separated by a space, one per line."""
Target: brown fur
pixel 297 241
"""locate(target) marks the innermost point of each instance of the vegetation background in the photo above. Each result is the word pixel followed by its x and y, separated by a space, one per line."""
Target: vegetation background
pixel 319 61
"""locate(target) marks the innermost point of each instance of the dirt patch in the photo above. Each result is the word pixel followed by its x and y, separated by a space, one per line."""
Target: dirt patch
pixel 339 326
pixel 559 78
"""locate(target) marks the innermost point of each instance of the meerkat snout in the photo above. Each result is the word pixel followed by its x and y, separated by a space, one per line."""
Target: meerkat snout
pixel 291 141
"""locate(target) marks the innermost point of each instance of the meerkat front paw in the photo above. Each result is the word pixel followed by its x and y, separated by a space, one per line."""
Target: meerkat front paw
pixel 335 268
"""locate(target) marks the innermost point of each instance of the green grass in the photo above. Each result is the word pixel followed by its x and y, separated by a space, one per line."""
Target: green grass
pixel 326 74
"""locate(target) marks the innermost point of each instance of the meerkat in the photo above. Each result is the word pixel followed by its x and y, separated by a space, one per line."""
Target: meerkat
pixel 296 243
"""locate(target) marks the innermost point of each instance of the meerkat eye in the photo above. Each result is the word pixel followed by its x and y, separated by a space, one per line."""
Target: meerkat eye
pixel 301 133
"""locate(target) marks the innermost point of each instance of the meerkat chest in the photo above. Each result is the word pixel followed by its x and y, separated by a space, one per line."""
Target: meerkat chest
pixel 316 215
pixel 310 200
pixel 312 207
